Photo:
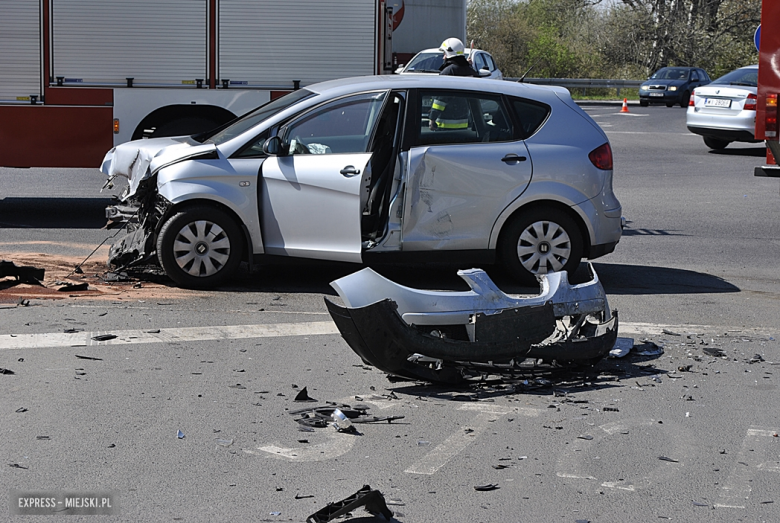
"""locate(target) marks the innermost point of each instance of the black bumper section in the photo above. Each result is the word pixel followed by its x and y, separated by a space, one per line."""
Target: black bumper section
pixel 769 171
pixel 378 334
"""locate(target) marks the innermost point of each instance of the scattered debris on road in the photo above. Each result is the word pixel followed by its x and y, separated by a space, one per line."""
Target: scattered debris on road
pixel 371 499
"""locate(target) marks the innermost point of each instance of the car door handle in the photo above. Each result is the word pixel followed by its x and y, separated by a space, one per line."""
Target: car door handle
pixel 349 170
pixel 512 157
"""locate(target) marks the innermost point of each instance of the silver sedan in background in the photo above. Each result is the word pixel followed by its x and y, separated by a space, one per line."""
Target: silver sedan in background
pixel 375 169
pixel 724 111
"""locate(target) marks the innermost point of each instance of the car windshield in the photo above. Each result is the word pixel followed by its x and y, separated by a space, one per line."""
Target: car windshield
pixel 425 63
pixel 747 77
pixel 254 117
pixel 670 73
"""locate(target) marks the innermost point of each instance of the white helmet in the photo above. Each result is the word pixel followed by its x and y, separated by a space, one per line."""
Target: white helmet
pixel 452 47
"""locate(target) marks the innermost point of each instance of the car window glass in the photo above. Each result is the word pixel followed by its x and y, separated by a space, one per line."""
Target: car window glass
pixel 479 61
pixel 694 76
pixel 451 117
pixel 490 62
pixel 530 115
pixel 426 63
pixel 746 77
pixel 342 126
pixel 254 148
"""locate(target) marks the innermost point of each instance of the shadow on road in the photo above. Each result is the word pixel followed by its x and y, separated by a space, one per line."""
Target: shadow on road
pixel 645 279
pixel 758 152
pixel 53 213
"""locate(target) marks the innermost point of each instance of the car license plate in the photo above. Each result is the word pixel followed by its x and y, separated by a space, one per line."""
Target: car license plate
pixel 656 94
pixel 717 102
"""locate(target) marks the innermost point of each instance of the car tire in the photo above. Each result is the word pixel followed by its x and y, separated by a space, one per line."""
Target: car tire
pixel 644 103
pixel 686 97
pixel 199 247
pixel 538 241
pixel 715 143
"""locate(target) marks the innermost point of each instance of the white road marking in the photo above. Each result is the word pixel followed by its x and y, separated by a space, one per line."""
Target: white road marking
pixel 453 445
pixel 338 445
pixel 183 334
pixel 571 463
pixel 233 332
pixel 736 490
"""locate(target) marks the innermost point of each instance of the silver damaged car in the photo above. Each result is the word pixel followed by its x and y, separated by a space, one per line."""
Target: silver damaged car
pixel 375 169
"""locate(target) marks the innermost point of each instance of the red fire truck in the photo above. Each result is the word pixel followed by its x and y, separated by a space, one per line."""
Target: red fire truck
pixel 78 77
pixel 769 87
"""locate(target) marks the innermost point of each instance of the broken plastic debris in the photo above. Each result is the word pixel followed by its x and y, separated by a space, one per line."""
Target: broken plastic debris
pixel 670 460
pixel 484 488
pixel 423 443
pixel 303 395
pixel 104 337
pixel 586 437
pixel 179 434
pixel 224 442
pixel 21 409
pixel 485 330
pixel 670 333
pixel 648 348
pixel 697 504
pixel 23 274
pixel 712 351
pixel 373 501
pixel 73 287
pixel 341 421
pixel 88 358
pixel 304 496
pixel 622 347
pixel 275 513
pixel 17 466
pixel 6 371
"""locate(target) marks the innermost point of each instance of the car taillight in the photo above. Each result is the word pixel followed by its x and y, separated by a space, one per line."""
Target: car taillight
pixel 770 127
pixel 750 103
pixel 601 157
pixel 691 103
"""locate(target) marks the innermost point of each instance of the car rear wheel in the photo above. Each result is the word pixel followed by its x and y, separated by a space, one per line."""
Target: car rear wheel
pixel 644 103
pixel 684 99
pixel 715 143
pixel 199 247
pixel 540 241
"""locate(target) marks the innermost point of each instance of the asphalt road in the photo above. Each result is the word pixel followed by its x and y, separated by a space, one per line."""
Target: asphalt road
pixel 683 436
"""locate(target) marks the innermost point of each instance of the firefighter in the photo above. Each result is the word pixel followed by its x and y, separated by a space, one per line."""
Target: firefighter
pixel 450 112
pixel 455 62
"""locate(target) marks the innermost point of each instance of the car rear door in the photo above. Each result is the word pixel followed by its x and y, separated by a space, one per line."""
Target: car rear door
pixel 310 198
pixel 459 180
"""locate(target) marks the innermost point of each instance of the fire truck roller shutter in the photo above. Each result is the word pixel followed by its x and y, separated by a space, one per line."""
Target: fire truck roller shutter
pixel 178 120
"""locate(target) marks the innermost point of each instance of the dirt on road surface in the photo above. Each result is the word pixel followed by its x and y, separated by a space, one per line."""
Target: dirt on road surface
pixel 61 271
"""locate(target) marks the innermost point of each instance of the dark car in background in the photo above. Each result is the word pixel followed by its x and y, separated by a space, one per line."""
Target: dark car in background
pixel 672 85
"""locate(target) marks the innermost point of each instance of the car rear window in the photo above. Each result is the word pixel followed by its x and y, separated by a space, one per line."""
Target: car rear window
pixel 530 114
pixel 747 77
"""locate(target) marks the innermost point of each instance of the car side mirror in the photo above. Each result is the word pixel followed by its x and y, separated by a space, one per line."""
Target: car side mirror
pixel 274 147
pixel 484 72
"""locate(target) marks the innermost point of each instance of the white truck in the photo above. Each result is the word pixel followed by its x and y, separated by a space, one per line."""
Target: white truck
pixel 78 77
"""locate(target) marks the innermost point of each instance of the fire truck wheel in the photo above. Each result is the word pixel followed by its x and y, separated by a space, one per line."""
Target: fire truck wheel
pixel 199 247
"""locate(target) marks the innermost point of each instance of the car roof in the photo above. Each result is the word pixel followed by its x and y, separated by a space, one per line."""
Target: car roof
pixel 467 50
pixel 346 86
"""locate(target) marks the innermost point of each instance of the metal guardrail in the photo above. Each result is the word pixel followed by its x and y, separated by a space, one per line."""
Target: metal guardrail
pixel 584 83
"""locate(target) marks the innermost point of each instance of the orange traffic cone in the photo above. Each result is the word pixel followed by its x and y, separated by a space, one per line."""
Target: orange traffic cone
pixel 624 109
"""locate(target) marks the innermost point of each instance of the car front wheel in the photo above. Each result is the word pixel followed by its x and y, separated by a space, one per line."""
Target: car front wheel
pixel 199 247
pixel 540 241
pixel 685 99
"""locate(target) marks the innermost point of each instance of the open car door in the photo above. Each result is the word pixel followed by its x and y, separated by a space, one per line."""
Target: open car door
pixel 311 196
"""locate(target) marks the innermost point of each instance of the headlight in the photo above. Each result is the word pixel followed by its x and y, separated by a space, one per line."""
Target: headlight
pixel 672 87
pixel 643 88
